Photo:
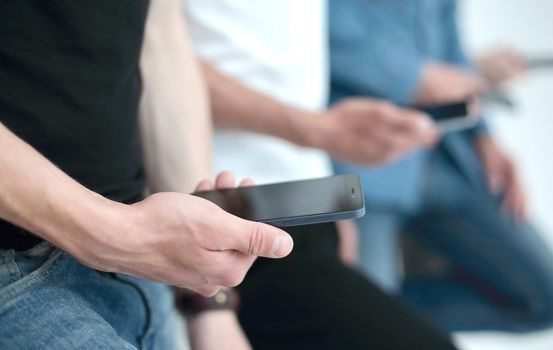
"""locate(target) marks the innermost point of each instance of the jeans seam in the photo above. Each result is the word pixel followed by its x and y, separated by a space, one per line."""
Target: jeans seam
pixel 31 281
pixel 149 311
pixel 37 248
pixel 11 266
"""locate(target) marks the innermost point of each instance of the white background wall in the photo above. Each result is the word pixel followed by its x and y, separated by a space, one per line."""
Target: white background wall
pixel 528 131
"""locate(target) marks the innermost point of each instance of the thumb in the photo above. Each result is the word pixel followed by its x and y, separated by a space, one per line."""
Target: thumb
pixel 263 240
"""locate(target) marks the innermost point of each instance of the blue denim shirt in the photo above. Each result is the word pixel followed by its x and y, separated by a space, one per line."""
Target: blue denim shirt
pixel 378 48
pixel 392 39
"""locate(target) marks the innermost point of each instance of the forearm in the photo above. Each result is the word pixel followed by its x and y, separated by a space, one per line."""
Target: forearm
pixel 236 106
pixel 40 198
pixel 174 114
pixel 348 249
pixel 217 330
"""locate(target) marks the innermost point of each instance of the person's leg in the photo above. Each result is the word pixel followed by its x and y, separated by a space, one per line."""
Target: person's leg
pixel 378 249
pixel 502 275
pixel 50 301
pixel 309 300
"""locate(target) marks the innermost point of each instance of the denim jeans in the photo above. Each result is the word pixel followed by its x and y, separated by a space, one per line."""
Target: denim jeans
pixel 501 275
pixel 48 300
pixel 379 253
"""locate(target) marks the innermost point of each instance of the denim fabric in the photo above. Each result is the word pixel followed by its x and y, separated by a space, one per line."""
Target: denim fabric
pixel 379 254
pixel 501 271
pixel 48 300
pixel 378 48
pixel 501 277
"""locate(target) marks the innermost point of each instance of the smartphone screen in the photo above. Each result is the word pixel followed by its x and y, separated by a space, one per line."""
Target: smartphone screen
pixel 455 116
pixel 294 203
pixel 447 112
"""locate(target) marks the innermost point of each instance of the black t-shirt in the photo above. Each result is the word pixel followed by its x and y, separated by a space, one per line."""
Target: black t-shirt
pixel 70 87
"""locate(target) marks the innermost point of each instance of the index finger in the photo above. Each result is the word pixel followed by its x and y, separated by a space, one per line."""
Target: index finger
pixel 205 185
pixel 225 180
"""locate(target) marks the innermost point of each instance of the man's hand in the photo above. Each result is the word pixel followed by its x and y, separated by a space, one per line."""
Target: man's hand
pixel 503 177
pixel 191 243
pixel 445 83
pixel 215 330
pixel 362 130
pixel 501 65
pixel 186 241
pixel 371 132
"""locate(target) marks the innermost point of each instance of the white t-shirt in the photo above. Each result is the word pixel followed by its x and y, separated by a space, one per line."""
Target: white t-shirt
pixel 277 47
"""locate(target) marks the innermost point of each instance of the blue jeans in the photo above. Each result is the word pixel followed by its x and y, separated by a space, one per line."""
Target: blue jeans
pixel 379 254
pixel 501 275
pixel 48 300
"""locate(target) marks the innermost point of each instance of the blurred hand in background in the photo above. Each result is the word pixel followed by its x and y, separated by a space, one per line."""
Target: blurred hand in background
pixel 373 132
pixel 443 83
pixel 503 177
pixel 501 65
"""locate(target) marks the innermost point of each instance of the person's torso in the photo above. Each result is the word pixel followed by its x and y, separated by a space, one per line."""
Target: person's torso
pixel 70 87
pixel 419 31
pixel 280 49
pixel 406 31
pixel 419 28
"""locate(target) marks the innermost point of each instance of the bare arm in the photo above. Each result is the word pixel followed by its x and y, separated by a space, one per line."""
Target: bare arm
pixel 358 130
pixel 235 106
pixel 174 112
pixel 172 238
pixel 39 197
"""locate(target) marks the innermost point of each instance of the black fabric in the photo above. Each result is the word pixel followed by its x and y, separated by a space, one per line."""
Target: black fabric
pixel 70 87
pixel 309 300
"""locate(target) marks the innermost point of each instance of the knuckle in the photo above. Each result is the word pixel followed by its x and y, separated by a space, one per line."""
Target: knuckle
pixel 255 244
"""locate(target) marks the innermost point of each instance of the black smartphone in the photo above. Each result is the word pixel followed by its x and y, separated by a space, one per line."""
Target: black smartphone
pixel 454 116
pixel 294 203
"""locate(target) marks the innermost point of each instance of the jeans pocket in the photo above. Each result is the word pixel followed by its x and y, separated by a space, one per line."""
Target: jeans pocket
pixel 22 271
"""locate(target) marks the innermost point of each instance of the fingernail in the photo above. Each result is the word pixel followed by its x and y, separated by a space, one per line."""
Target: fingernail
pixel 282 246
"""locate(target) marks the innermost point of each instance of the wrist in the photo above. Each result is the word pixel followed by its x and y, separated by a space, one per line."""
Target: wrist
pixel 197 321
pixel 307 129
pixel 216 330
pixel 90 227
